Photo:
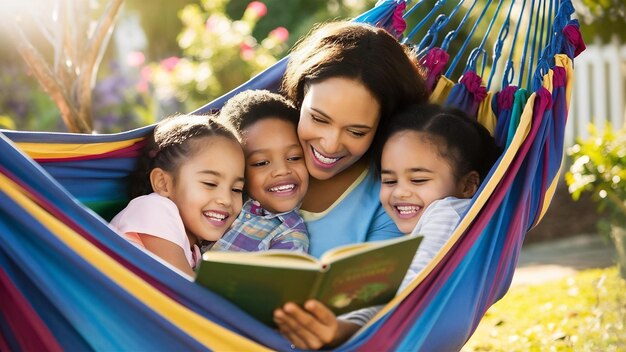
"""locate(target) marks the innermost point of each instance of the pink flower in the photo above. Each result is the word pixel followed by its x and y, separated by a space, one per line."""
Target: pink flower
pixel 146 73
pixel 135 59
pixel 170 63
pixel 281 34
pixel 211 23
pixel 257 8
pixel 144 78
pixel 142 87
pixel 246 51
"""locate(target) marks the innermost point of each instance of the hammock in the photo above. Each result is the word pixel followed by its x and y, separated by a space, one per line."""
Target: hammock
pixel 68 282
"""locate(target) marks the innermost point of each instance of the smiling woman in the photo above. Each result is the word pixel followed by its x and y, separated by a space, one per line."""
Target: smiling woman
pixel 336 130
pixel 348 80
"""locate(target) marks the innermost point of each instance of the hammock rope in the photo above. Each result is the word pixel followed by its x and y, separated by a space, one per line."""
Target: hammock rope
pixel 74 284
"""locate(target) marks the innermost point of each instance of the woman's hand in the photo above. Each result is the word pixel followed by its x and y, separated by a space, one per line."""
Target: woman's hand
pixel 313 326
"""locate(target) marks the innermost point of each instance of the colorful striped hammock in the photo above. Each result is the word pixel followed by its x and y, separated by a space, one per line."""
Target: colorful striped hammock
pixel 68 282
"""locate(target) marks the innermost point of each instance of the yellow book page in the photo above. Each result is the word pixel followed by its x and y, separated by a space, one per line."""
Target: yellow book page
pixel 273 257
pixel 356 248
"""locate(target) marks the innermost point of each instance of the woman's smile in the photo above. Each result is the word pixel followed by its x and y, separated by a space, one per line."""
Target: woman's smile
pixel 323 160
pixel 338 120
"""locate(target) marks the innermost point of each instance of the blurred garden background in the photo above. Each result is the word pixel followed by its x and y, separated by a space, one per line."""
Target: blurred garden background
pixel 112 65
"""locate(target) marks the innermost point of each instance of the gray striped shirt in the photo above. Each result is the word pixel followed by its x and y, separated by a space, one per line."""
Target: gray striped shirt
pixel 437 224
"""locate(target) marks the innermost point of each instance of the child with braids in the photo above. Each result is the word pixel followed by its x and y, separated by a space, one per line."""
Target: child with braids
pixel 189 190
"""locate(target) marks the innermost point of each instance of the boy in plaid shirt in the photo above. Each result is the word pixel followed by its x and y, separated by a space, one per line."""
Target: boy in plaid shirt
pixel 276 176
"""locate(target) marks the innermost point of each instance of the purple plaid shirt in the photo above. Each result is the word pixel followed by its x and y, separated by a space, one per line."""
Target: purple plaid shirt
pixel 256 229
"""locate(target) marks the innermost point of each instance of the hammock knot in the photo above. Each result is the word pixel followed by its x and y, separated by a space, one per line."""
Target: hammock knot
pixel 506 98
pixel 573 36
pixel 473 83
pixel 434 62
pixel 398 24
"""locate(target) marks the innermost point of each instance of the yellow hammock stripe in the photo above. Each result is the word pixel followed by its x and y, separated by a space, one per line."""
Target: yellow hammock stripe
pixel 485 114
pixel 204 331
pixel 520 135
pixel 565 62
pixel 63 150
pixel 441 91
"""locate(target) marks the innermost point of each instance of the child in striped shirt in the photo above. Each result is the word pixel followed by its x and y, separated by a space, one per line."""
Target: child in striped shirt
pixel 431 165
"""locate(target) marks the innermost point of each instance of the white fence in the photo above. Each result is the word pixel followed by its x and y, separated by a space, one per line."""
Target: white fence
pixel 599 95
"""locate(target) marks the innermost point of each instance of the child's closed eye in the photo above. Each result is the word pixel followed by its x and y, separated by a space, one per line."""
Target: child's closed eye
pixel 389 182
pixel 210 184
pixel 294 158
pixel 259 163
pixel 419 180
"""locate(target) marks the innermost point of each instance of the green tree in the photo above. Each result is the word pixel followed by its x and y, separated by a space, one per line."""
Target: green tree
pixel 218 54
pixel 224 43
pixel 602 18
pixel 299 16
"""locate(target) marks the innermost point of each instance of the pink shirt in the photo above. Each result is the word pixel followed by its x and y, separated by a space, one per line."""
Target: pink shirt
pixel 156 216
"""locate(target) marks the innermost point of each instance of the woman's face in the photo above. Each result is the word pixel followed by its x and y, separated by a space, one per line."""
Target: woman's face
pixel 338 120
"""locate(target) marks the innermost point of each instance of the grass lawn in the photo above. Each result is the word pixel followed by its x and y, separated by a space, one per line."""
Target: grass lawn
pixel 586 312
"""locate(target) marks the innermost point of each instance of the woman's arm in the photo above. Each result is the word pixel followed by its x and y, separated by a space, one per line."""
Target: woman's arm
pixel 168 251
pixel 313 326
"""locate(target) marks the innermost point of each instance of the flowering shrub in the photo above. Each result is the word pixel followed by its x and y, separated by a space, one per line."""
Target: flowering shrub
pixel 600 168
pixel 119 103
pixel 25 106
pixel 219 54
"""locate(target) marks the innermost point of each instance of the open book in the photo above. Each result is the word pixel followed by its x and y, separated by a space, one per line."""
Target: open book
pixel 345 278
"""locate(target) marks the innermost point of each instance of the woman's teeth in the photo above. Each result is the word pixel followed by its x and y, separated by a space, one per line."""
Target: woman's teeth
pixel 324 159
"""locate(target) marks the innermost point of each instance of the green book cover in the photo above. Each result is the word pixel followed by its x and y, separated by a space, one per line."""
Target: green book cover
pixel 345 278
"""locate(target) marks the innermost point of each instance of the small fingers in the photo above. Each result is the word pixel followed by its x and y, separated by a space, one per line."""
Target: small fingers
pixel 307 327
pixel 300 327
pixel 321 312
pixel 325 319
pixel 295 340
pixel 288 327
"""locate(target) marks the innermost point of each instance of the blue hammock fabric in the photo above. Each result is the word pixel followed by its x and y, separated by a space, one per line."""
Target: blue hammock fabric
pixel 68 282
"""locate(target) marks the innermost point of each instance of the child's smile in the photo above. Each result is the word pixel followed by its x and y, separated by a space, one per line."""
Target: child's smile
pixel 208 188
pixel 407 211
pixel 412 181
pixel 216 218
pixel 276 175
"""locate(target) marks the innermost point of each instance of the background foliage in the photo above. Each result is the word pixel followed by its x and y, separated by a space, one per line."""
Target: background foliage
pixel 195 50
pixel 601 18
pixel 599 168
